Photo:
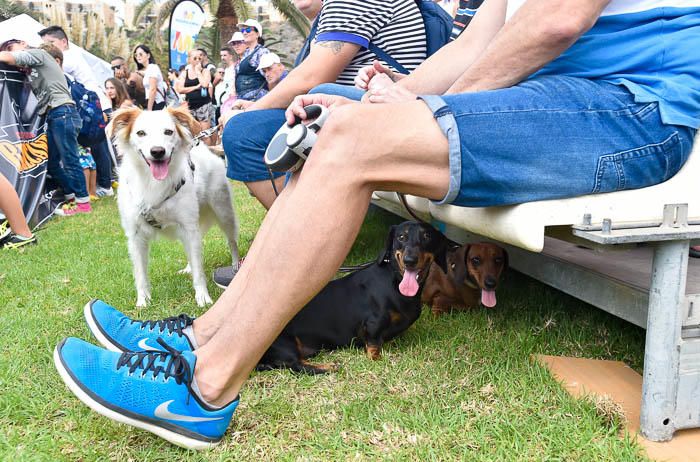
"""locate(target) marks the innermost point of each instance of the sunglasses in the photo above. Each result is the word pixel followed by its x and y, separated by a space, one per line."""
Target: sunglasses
pixel 247 30
pixel 237 42
pixel 118 66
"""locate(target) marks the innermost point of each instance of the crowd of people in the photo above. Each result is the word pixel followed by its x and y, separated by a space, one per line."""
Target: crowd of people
pixel 84 170
pixel 525 104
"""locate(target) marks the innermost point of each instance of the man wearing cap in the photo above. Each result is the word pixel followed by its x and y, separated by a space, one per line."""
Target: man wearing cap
pixel 273 70
pixel 335 50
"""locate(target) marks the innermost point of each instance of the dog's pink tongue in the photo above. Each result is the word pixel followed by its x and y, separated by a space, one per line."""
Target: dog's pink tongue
pixel 488 298
pixel 409 283
pixel 159 169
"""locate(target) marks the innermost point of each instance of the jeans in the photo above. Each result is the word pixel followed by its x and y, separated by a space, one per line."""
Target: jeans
pixel 103 160
pixel 247 135
pixel 63 126
pixel 554 137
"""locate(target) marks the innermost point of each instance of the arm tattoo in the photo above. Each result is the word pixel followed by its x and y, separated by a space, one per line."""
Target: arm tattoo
pixel 334 45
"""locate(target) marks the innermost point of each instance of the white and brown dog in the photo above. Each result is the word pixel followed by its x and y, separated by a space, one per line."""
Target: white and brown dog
pixel 172 187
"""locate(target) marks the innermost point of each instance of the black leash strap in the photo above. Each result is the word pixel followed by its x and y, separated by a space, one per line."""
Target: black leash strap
pixel 402 198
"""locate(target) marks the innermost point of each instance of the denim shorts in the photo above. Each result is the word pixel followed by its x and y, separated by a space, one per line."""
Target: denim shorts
pixel 554 137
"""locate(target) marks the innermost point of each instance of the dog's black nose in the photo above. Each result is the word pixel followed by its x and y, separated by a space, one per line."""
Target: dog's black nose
pixel 410 260
pixel 490 282
pixel 157 152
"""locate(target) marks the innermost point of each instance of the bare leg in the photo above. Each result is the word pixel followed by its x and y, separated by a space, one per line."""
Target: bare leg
pixel 92 183
pixel 12 209
pixel 262 190
pixel 362 148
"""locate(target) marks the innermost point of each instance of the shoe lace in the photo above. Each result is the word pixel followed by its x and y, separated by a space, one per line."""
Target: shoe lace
pixel 172 324
pixel 176 367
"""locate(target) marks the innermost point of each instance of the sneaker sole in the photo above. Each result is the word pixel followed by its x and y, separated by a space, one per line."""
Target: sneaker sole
pixel 97 332
pixel 168 435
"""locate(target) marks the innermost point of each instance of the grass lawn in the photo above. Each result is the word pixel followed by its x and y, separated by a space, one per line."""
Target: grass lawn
pixel 457 387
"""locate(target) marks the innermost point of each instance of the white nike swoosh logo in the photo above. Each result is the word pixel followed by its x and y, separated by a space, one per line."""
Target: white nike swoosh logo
pixel 163 412
pixel 145 346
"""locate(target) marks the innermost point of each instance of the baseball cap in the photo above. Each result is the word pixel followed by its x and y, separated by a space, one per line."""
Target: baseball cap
pixel 237 37
pixel 268 60
pixel 252 23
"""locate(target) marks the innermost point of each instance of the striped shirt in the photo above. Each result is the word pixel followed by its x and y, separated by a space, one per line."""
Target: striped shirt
pixel 648 46
pixel 395 26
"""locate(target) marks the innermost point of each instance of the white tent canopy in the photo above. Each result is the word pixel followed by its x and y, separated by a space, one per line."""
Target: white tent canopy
pixel 24 27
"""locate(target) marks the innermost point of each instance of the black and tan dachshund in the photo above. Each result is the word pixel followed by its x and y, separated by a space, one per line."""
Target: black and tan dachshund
pixel 368 307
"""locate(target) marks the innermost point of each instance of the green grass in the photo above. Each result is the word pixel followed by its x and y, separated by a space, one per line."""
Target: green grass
pixel 457 387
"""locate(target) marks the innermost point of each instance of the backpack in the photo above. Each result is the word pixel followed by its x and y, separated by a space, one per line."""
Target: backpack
pixel 90 110
pixel 438 27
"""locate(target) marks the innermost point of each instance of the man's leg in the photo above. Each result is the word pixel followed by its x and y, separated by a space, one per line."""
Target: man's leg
pixel 103 161
pixel 361 149
pixel 245 140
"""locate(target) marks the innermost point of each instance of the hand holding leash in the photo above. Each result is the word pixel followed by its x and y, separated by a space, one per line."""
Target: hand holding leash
pixel 292 143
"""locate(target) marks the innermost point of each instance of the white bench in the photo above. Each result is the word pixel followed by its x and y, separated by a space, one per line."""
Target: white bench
pixel 645 285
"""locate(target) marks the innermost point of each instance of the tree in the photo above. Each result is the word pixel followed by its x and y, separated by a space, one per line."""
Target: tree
pixel 224 22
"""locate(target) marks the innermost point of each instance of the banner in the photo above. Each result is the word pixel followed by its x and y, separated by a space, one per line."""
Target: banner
pixel 23 144
pixel 186 20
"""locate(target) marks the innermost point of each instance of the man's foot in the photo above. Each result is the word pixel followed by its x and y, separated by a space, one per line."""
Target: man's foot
pixel 695 251
pixel 148 390
pixel 117 332
pixel 73 208
pixel 15 241
pixel 224 275
pixel 104 192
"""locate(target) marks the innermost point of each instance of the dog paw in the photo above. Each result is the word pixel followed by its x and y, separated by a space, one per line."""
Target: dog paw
pixel 186 270
pixel 143 299
pixel 202 298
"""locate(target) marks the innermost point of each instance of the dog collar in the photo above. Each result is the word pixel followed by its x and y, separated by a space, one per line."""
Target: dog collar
pixel 147 212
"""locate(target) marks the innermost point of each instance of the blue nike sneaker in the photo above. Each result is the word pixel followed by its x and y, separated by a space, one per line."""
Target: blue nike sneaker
pixel 149 390
pixel 117 332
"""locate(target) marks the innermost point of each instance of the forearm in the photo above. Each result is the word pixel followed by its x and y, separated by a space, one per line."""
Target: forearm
pixel 538 33
pixel 440 71
pixel 151 98
pixel 7 58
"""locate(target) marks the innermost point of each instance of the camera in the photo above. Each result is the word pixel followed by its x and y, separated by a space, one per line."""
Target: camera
pixel 292 144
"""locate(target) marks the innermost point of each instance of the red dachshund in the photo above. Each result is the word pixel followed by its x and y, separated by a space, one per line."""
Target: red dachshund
pixel 473 273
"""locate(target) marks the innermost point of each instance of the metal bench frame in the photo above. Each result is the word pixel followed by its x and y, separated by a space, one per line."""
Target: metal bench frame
pixel 671 378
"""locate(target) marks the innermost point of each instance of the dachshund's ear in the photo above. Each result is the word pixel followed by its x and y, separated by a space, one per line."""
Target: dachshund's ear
pixel 184 120
pixel 385 254
pixel 465 248
pixel 123 121
pixel 441 251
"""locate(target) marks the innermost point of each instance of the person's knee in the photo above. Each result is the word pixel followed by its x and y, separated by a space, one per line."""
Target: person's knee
pixel 337 143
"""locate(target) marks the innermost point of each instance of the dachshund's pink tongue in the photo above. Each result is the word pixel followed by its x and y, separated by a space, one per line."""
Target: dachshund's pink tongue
pixel 159 169
pixel 488 298
pixel 409 283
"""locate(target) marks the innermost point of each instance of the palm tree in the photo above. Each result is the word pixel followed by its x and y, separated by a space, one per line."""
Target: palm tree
pixel 226 17
pixel 10 9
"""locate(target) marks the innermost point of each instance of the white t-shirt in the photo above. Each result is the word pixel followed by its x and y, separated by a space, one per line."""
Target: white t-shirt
pixel 75 65
pixel 152 70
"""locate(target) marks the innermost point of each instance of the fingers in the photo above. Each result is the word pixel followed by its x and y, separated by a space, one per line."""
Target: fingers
pixel 363 77
pixel 296 109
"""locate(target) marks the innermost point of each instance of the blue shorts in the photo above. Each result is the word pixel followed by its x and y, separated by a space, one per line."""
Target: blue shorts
pixel 247 135
pixel 554 137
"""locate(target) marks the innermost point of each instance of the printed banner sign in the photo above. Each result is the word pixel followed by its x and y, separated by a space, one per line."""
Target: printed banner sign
pixel 23 144
pixel 186 21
